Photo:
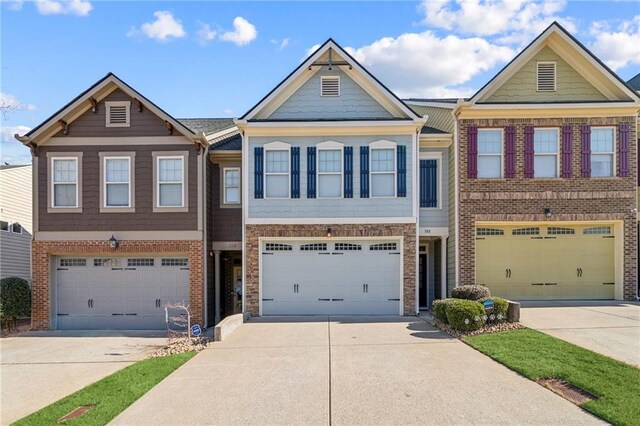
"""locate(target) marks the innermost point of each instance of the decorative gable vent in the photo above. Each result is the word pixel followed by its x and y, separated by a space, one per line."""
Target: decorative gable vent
pixel 117 114
pixel 330 86
pixel 546 76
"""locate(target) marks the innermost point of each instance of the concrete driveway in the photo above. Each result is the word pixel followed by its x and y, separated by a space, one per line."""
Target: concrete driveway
pixel 37 369
pixel 346 371
pixel 608 327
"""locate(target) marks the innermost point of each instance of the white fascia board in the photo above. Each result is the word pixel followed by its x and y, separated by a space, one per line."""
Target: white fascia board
pixel 447 105
pixel 221 133
pixel 328 220
pixel 593 105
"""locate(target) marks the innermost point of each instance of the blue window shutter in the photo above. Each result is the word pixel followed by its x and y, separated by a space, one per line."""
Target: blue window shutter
pixel 348 172
pixel 364 172
pixel 295 172
pixel 311 172
pixel 402 170
pixel 258 173
pixel 428 183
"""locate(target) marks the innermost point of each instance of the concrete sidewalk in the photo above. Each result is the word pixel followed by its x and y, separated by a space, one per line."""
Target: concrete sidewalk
pixel 368 371
pixel 608 327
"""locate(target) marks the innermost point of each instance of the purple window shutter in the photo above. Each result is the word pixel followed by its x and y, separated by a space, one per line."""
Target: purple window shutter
pixel 567 151
pixel 472 151
pixel 510 152
pixel 586 150
pixel 623 151
pixel 528 152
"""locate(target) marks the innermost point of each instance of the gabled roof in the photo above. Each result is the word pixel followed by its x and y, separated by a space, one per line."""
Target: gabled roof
pixel 528 52
pixel 99 90
pixel 228 143
pixel 208 126
pixel 634 83
pixel 307 63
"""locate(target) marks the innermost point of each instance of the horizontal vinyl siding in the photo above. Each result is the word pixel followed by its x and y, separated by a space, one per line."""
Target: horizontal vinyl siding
pixel 15 196
pixel 327 207
pixel 15 255
pixel 439 118
pixel 227 222
pixel 438 217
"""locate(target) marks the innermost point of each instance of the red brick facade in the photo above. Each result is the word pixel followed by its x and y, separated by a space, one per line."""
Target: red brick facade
pixel 42 270
pixel 570 199
pixel 252 253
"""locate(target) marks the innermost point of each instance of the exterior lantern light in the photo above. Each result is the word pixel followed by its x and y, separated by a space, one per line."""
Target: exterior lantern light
pixel 113 242
pixel 328 232
pixel 548 213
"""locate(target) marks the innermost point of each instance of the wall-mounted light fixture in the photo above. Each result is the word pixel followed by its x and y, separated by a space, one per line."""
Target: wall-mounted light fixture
pixel 548 213
pixel 113 242
pixel 328 232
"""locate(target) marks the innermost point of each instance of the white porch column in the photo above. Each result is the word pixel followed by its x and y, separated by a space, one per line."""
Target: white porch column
pixel 443 267
pixel 216 262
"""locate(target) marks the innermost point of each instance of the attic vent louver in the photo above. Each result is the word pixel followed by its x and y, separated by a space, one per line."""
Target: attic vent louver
pixel 546 76
pixel 330 86
pixel 117 114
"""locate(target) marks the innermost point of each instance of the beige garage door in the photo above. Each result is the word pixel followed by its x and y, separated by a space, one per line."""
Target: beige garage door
pixel 546 262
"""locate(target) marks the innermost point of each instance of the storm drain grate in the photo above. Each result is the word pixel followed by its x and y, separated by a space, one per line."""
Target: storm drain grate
pixel 77 412
pixel 568 391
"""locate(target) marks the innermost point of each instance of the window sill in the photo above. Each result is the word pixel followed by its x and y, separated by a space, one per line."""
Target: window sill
pixel 117 210
pixel 170 209
pixel 64 210
pixel 230 205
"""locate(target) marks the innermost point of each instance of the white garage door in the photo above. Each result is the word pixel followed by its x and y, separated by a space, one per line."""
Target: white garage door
pixel 118 293
pixel 331 278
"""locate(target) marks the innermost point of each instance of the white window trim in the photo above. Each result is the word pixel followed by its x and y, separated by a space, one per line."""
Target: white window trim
pixel 384 145
pixel 13 229
pixel 277 146
pixel 330 146
pixel 438 157
pixel 224 186
pixel 614 166
pixel 105 184
pixel 53 183
pixel 330 77
pixel 557 154
pixel 158 183
pixel 108 106
pixel 555 76
pixel 493 155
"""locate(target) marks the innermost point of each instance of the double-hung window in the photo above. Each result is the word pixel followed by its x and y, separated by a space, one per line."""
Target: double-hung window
pixel 171 182
pixel 383 172
pixel 64 182
pixel 231 183
pixel 330 173
pixel 490 153
pixel 545 153
pixel 602 151
pixel 117 181
pixel 277 173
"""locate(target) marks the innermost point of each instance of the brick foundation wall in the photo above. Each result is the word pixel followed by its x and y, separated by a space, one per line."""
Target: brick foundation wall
pixel 570 199
pixel 252 252
pixel 42 270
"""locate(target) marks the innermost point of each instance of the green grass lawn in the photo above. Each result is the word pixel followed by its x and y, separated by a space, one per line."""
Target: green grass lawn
pixel 111 395
pixel 539 356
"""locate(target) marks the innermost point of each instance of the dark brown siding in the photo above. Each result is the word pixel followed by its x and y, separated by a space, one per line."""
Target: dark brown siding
pixel 143 219
pixel 227 223
pixel 144 123
pixel 209 239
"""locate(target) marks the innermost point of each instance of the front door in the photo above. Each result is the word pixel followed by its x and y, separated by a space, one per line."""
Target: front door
pixel 237 289
pixel 422 278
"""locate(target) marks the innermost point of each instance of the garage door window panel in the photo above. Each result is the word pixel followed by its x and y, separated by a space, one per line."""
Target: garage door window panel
pixel 597 230
pixel 490 153
pixel 552 230
pixel 277 173
pixel 73 262
pixel 383 172
pixel 526 231
pixel 602 151
pixel 545 146
pixel 330 173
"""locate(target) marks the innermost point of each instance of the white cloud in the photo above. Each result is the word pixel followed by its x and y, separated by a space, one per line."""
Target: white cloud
pixel 64 7
pixel 227 111
pixel 14 5
pixel 281 44
pixel 10 102
pixel 163 28
pixel 205 33
pixel 244 32
pixel 8 133
pixel 427 65
pixel 512 21
pixel 617 47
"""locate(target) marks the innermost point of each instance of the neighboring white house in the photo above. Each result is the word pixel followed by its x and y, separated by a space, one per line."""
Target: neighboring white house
pixel 16 226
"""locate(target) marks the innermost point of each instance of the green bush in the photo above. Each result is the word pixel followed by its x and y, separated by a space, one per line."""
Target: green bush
pixel 500 308
pixel 470 292
pixel 465 315
pixel 15 298
pixel 440 310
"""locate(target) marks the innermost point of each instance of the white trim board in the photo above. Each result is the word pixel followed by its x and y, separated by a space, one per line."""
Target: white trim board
pixel 328 220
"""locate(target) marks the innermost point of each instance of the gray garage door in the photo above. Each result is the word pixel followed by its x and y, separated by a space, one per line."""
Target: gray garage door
pixel 331 278
pixel 118 293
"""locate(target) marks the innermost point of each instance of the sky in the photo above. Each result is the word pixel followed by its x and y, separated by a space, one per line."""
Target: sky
pixel 217 59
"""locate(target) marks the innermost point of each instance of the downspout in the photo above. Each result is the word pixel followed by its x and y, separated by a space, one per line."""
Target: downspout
pixel 456 142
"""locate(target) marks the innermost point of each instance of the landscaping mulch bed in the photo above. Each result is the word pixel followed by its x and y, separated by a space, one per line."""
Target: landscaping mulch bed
pixel 567 390
pixel 489 328
pixel 181 346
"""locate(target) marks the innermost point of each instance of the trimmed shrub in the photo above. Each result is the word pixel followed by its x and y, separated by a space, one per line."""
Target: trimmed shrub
pixel 440 310
pixel 15 298
pixel 470 292
pixel 500 308
pixel 465 315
